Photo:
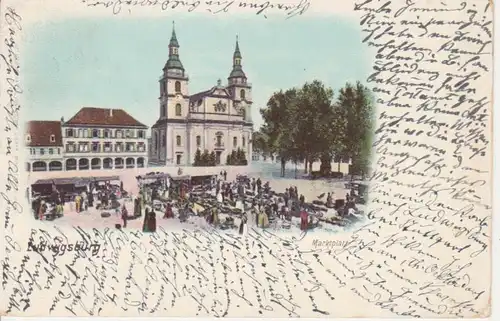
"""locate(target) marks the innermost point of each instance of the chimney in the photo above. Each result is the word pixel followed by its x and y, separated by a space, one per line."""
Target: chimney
pixel 111 113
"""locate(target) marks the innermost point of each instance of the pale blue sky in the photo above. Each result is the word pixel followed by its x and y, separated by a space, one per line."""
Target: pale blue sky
pixel 116 63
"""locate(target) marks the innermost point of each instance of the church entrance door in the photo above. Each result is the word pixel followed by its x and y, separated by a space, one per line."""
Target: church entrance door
pixel 217 157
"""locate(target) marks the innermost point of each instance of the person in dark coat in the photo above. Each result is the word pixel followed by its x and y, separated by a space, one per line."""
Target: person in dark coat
pixel 152 222
pixel 124 215
pixel 303 220
pixel 145 223
pixel 168 212
pixel 91 199
pixel 136 207
pixel 35 205
pixel 243 223
pixel 275 208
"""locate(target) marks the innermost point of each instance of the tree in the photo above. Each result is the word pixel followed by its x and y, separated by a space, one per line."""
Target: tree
pixel 356 105
pixel 280 124
pixel 260 143
pixel 314 118
pixel 212 159
pixel 205 158
pixel 305 124
pixel 237 158
pixel 197 158
pixel 338 130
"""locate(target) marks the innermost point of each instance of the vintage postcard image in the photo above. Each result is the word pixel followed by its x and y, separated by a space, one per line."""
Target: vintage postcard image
pixel 246 158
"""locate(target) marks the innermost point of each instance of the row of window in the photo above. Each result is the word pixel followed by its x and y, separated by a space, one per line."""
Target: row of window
pixel 106 147
pixel 177 86
pixel 106 133
pixel 235 81
pixel 178 110
pixel 219 142
pixel 41 151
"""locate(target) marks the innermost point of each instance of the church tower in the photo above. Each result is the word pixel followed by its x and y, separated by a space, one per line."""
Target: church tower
pixel 169 138
pixel 174 93
pixel 240 89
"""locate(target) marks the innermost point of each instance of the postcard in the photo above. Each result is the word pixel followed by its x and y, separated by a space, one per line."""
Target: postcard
pixel 246 158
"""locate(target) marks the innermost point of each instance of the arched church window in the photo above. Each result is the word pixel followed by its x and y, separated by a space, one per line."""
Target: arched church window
pixel 177 86
pixel 155 141
pixel 218 137
pixel 242 94
pixel 178 110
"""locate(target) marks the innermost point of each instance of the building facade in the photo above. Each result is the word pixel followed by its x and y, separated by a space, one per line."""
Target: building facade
pixel 217 120
pixel 43 146
pixel 95 138
pixel 98 138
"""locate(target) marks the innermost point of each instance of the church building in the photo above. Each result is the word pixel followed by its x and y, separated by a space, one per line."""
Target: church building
pixel 217 119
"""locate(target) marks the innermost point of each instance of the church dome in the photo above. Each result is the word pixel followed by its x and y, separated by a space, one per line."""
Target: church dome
pixel 237 73
pixel 173 63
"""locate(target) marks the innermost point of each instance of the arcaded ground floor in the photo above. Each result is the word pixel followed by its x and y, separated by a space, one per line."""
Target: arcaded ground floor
pixel 96 163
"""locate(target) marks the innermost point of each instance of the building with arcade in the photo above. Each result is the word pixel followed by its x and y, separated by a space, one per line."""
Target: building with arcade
pixel 93 139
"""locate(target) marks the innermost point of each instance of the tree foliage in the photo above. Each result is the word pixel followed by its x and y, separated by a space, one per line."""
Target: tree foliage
pixel 308 124
pixel 237 158
pixel 205 159
pixel 259 142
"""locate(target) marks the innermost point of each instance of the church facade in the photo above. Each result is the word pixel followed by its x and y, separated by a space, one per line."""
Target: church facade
pixel 217 120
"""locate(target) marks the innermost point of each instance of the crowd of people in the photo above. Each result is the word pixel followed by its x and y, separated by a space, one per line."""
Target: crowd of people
pixel 221 203
pixel 80 199
pixel 250 201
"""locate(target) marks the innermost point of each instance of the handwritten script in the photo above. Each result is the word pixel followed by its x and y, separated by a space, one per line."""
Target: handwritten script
pixel 214 7
pixel 430 210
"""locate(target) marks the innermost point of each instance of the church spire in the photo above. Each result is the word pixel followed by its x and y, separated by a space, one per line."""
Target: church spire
pixel 173 39
pixel 173 53
pixel 237 72
pixel 237 53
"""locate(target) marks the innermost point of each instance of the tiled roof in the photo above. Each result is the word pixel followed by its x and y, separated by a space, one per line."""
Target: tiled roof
pixel 103 117
pixel 40 132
